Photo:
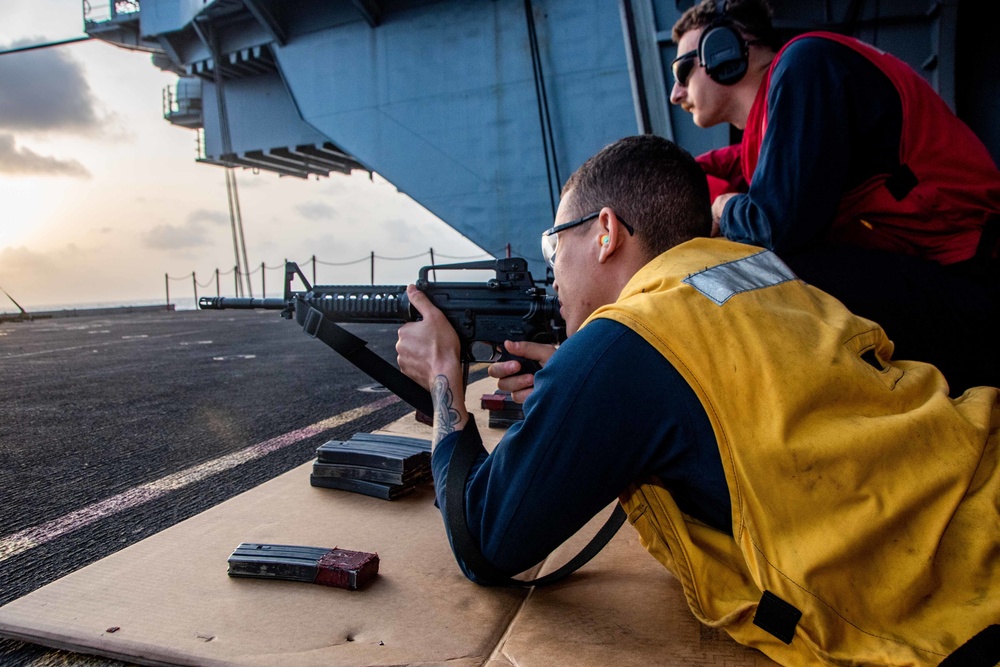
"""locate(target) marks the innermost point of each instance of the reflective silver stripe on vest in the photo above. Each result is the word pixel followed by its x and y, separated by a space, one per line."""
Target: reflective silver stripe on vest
pixel 721 282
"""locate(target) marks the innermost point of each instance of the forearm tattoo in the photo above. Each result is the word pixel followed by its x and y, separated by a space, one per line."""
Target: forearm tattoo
pixel 445 414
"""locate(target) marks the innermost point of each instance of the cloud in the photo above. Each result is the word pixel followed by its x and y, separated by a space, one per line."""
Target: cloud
pixel 73 274
pixel 46 90
pixel 338 186
pixel 403 231
pixel 203 214
pixel 191 234
pixel 22 260
pixel 21 161
pixel 316 210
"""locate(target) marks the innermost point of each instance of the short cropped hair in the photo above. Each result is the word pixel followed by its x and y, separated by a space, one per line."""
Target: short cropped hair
pixel 752 16
pixel 653 184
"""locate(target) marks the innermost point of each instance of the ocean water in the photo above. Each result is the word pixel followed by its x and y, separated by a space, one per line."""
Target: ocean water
pixel 180 303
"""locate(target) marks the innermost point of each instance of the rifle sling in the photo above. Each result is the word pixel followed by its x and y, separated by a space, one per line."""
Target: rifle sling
pixel 356 351
pixel 466 451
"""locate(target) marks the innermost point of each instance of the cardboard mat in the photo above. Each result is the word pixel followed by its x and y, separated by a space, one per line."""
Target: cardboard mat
pixel 168 601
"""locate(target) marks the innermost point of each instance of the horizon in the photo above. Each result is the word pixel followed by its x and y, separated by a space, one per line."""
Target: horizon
pixel 102 196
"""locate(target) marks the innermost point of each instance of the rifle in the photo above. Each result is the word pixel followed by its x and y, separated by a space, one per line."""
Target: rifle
pixel 484 314
pixel 507 307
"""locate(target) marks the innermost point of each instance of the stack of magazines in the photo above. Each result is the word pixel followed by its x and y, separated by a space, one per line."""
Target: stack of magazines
pixel 383 466
pixel 504 412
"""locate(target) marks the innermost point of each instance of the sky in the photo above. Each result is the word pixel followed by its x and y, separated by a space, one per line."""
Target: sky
pixel 101 198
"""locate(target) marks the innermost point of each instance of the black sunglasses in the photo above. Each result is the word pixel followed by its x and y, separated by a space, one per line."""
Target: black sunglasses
pixel 683 65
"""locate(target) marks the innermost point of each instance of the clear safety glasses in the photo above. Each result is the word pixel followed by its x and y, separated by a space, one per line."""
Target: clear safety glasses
pixel 550 237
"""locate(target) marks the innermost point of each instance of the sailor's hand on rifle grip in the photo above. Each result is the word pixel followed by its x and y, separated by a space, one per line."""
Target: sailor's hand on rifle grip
pixel 525 365
pixel 517 367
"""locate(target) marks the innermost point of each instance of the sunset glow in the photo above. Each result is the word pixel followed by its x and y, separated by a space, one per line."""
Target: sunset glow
pixel 100 197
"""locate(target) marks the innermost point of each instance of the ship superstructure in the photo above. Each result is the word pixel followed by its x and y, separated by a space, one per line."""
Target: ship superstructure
pixel 478 110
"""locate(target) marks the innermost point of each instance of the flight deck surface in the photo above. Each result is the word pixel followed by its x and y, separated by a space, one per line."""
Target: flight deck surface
pixel 165 598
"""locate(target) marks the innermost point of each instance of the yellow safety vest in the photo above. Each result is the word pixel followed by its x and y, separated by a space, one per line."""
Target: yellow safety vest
pixel 863 498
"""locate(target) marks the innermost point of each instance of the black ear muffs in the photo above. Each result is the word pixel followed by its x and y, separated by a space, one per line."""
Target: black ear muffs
pixel 723 52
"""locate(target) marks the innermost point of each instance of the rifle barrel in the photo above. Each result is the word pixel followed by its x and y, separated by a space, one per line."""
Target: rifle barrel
pixel 242 303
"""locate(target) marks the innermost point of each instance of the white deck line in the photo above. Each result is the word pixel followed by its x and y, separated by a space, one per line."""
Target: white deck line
pixel 29 538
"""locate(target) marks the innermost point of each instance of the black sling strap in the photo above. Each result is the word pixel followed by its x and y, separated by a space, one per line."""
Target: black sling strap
pixel 466 451
pixel 356 351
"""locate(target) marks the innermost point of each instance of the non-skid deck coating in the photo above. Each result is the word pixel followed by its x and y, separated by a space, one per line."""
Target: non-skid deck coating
pixel 168 601
pixel 114 428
